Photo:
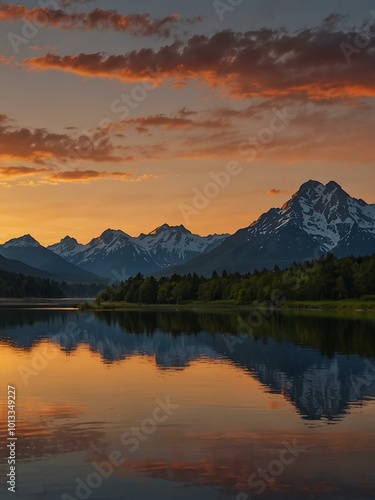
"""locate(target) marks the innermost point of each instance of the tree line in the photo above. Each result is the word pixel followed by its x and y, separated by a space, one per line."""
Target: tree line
pixel 328 278
pixel 17 285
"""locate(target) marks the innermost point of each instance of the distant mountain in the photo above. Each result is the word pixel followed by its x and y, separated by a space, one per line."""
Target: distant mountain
pixel 67 247
pixel 318 219
pixel 116 255
pixel 28 251
pixel 15 266
pixel 174 245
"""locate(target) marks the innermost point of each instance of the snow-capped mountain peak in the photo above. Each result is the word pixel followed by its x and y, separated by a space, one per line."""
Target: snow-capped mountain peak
pixel 328 213
pixel 110 238
pixel 23 242
pixel 157 230
pixel 116 255
pixel 67 247
pixel 319 218
pixel 170 245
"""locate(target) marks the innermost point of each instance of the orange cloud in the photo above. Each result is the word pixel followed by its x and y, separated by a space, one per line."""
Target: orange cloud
pixel 101 19
pixel 3 118
pixel 274 191
pixel 75 175
pixel 20 171
pixel 263 63
pixel 167 122
pixel 5 59
pixel 87 175
pixel 37 145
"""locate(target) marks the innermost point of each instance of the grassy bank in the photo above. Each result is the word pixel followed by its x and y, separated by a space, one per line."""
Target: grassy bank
pixel 127 306
pixel 349 305
pixel 335 305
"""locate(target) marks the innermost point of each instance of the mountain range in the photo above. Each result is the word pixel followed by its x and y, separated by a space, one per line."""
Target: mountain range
pixel 113 255
pixel 317 219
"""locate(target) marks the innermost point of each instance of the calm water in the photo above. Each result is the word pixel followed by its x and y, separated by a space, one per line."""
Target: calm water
pixel 187 407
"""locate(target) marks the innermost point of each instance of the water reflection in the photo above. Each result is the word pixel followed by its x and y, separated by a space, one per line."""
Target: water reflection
pixel 309 380
pixel 320 364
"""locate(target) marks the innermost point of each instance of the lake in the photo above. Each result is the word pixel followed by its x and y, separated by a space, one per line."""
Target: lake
pixel 189 405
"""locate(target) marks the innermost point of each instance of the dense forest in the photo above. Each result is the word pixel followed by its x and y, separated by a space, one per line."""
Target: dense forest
pixel 17 286
pixel 328 278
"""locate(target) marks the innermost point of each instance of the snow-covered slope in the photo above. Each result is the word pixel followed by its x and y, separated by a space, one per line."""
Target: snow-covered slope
pixel 116 255
pixel 28 251
pixel 317 219
pixel 326 213
pixel 174 245
pixel 67 247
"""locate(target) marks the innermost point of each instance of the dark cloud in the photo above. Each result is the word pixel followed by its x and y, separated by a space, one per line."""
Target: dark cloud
pixel 40 145
pixel 178 121
pixel 66 4
pixel 309 64
pixel 102 19
pixel 332 21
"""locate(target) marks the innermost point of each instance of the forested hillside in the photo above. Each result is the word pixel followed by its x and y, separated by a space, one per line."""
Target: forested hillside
pixel 326 279
pixel 18 285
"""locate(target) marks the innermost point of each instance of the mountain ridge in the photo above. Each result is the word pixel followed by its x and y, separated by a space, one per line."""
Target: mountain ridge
pixel 318 218
pixel 28 251
pixel 116 255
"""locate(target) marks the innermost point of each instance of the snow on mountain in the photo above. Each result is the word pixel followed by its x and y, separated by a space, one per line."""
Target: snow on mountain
pixel 25 241
pixel 324 212
pixel 116 255
pixel 317 219
pixel 174 245
pixel 67 247
pixel 329 213
pixel 27 250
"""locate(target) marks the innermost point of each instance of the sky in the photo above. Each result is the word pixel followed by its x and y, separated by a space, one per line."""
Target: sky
pixel 128 115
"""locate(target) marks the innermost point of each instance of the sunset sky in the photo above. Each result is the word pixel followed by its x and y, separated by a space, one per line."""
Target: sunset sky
pixel 116 114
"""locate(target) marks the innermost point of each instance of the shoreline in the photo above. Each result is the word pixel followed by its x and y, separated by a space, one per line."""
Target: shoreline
pixel 339 306
pixel 83 304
